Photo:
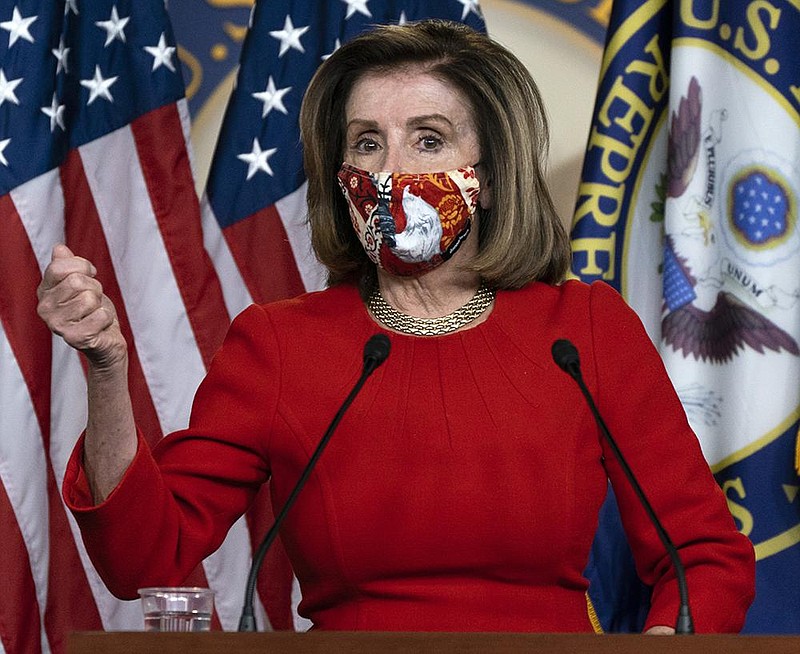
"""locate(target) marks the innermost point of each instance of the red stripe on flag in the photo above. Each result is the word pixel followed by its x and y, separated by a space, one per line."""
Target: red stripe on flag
pixel 19 609
pixel 29 337
pixel 70 603
pixel 264 256
pixel 85 238
pixel 32 346
pixel 163 156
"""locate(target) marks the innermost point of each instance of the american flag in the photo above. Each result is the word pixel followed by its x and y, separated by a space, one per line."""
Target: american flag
pixel 93 152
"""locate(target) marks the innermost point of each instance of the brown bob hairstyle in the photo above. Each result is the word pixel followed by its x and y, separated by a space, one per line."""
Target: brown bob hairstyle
pixel 520 239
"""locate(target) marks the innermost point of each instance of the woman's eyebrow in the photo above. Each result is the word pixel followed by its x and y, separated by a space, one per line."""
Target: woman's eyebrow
pixel 416 121
pixel 362 123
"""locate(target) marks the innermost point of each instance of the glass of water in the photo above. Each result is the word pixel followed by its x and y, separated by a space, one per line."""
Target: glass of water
pixel 177 609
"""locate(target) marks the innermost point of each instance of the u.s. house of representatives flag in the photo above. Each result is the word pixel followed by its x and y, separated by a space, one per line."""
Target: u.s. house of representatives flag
pixel 93 153
pixel 688 206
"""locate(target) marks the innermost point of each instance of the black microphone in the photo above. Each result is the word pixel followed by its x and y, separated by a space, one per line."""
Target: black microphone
pixel 565 354
pixel 376 351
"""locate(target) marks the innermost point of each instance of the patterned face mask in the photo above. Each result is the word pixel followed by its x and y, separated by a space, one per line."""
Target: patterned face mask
pixel 410 223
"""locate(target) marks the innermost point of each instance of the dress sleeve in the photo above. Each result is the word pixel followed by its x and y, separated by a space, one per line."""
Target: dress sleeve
pixel 643 412
pixel 174 505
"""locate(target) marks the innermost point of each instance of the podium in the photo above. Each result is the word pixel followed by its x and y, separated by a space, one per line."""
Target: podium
pixel 416 642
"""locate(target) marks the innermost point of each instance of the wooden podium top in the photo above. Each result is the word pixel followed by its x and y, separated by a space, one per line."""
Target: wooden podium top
pixel 440 643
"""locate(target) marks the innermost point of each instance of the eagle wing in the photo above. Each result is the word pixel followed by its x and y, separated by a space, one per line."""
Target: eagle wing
pixel 718 335
pixel 683 147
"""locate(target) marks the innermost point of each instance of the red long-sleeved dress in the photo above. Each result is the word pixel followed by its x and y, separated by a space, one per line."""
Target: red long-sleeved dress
pixel 460 491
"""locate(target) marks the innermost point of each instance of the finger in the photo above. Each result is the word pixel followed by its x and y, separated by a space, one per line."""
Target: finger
pixel 108 305
pixel 63 254
pixel 60 287
pixel 92 331
pixel 61 251
pixel 76 283
pixel 85 312
pixel 70 300
pixel 65 316
pixel 60 268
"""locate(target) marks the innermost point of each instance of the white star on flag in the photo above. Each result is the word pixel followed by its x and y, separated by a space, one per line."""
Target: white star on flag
pixel 272 98
pixel 17 27
pixel 359 6
pixel 98 86
pixel 469 5
pixel 60 53
pixel 257 159
pixel 55 112
pixel 71 5
pixel 7 89
pixel 336 45
pixel 162 54
pixel 114 27
pixel 3 144
pixel 402 20
pixel 289 36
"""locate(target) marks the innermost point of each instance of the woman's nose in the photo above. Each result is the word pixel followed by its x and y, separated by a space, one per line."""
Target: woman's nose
pixel 392 161
pixel 396 158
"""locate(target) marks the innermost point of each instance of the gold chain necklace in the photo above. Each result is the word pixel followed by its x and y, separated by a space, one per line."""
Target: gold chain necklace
pixel 405 324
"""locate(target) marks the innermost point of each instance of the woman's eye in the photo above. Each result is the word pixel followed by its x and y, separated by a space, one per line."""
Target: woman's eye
pixel 366 145
pixel 430 142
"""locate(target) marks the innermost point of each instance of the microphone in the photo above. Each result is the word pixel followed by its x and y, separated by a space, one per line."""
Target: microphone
pixel 565 354
pixel 376 350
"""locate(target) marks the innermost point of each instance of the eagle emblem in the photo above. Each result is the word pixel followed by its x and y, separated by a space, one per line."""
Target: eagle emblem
pixel 760 215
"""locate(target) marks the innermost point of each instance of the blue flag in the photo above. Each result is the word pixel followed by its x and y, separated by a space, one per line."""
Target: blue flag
pixel 688 206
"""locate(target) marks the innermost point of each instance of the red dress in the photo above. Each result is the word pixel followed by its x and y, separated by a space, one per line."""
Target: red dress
pixel 461 490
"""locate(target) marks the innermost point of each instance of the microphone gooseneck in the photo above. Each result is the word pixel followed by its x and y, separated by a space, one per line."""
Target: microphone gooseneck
pixel 565 354
pixel 376 350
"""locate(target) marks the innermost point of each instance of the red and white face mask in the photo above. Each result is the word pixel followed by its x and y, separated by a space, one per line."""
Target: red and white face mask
pixel 410 223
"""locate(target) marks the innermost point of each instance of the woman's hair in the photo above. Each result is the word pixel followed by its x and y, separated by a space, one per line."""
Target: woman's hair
pixel 520 238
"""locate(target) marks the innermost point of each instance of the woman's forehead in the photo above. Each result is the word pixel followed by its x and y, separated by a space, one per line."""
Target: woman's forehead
pixel 405 93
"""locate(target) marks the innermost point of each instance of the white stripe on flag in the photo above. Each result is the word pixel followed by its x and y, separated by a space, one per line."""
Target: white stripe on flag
pixel 40 205
pixel 226 570
pixel 234 290
pixel 182 106
pixel 163 336
pixel 293 211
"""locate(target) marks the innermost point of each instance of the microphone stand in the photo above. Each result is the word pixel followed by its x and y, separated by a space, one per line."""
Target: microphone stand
pixel 566 357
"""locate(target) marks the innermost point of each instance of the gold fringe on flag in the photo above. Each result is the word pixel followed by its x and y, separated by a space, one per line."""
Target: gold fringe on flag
pixel 797 453
pixel 598 628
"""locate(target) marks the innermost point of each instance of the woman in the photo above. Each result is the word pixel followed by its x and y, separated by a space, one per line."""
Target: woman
pixel 462 489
